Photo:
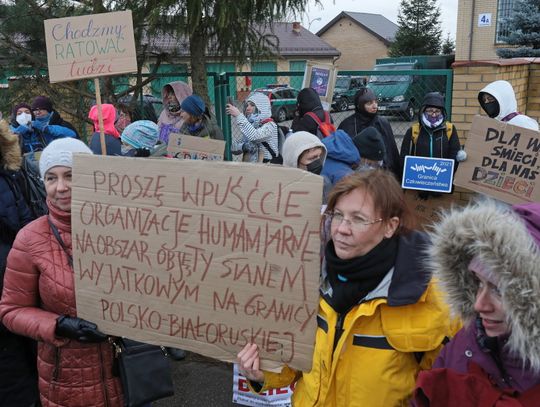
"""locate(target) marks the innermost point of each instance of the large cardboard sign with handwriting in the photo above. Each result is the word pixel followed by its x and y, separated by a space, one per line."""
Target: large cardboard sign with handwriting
pixel 428 211
pixel 201 255
pixel 502 161
pixel 188 147
pixel 90 46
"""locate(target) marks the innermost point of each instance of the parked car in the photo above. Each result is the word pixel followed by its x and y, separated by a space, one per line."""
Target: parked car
pixel 344 91
pixel 282 100
pixel 402 95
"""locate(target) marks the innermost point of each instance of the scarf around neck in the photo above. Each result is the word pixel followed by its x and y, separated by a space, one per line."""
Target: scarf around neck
pixel 351 280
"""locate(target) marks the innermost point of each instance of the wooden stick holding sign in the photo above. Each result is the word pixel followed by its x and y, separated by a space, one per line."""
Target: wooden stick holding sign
pixel 100 117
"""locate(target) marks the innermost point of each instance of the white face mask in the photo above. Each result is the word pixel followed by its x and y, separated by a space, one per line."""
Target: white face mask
pixel 24 118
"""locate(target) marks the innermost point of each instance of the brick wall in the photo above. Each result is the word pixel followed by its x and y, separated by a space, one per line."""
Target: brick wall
pixel 359 49
pixel 472 76
pixel 483 44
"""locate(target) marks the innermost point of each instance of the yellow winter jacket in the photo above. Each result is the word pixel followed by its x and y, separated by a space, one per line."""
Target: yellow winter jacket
pixel 382 347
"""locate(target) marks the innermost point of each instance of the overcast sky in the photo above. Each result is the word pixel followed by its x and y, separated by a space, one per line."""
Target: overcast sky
pixel 388 8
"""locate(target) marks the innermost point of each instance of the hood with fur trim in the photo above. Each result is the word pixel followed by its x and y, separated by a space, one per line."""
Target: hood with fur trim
pixel 499 237
pixel 10 151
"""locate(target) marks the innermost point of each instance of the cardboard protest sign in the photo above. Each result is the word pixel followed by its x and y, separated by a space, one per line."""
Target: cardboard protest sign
pixel 195 148
pixel 205 256
pixel 427 211
pixel 90 46
pixel 427 174
pixel 502 161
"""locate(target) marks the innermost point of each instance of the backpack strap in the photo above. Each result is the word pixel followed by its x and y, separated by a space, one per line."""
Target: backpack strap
pixel 416 131
pixel 315 117
pixel 267 146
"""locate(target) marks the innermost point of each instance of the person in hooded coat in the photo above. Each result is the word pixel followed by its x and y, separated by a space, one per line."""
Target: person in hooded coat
pixel 486 258
pixel 305 151
pixel 365 115
pixel 432 140
pixel 170 120
pixel 21 124
pixel 307 101
pixel 112 136
pixel 18 374
pixel 48 123
pixel 498 100
pixel 198 121
pixel 342 156
pixel 258 132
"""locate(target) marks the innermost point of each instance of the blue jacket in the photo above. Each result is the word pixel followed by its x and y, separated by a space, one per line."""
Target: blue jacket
pixel 52 127
pixel 341 154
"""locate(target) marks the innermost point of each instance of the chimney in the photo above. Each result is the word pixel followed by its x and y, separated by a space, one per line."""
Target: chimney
pixel 296 27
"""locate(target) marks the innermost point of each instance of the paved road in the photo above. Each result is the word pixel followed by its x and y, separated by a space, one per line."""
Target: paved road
pixel 200 382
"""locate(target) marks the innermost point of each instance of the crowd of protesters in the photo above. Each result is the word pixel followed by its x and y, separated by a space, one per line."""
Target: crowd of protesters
pixel 445 318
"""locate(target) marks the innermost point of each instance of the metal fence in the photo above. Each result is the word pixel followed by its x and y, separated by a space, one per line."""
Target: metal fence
pixel 400 93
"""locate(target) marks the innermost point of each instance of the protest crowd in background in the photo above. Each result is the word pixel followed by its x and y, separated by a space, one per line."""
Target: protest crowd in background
pixel 433 319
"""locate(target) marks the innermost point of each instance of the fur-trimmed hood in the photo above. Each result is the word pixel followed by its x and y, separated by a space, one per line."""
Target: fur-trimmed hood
pixel 10 150
pixel 498 236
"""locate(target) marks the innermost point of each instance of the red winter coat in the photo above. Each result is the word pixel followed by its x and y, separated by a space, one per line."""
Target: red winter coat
pixel 38 287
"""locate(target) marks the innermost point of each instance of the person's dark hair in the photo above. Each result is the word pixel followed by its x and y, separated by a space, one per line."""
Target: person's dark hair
pixel 384 190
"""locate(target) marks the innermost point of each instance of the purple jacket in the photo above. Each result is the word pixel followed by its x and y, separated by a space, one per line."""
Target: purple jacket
pixel 465 348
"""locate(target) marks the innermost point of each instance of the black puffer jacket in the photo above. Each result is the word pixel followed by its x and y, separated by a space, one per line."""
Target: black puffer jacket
pixel 18 376
pixel 357 122
pixel 308 101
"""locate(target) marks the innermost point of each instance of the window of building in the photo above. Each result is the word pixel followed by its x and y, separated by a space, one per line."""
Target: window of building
pixel 504 10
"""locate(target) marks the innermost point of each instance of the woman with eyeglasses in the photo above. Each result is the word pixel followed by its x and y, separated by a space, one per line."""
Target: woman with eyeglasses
pixel 380 318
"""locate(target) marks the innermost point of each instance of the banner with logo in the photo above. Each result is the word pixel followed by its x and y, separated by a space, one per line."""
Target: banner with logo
pixel 428 174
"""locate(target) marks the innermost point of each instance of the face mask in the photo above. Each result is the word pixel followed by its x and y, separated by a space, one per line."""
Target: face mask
pixel 491 108
pixel 315 167
pixel 432 121
pixel 24 118
pixel 174 107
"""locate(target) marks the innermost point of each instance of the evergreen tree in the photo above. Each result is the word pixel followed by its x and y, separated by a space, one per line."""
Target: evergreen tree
pixel 419 31
pixel 448 46
pixel 523 27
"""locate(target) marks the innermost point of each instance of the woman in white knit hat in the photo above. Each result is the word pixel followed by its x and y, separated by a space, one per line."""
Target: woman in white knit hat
pixel 38 301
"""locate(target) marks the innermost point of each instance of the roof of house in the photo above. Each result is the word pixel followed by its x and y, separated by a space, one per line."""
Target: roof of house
pixel 303 43
pixel 376 24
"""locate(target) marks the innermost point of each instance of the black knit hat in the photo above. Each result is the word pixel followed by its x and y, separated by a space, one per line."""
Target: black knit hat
pixel 433 99
pixel 42 102
pixel 370 144
pixel 364 95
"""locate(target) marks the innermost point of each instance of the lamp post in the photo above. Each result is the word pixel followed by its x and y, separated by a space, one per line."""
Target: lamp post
pixel 315 19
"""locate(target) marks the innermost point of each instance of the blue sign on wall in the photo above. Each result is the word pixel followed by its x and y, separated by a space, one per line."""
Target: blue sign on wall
pixel 428 174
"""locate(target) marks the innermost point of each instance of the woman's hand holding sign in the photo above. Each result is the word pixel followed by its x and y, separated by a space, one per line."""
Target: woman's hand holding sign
pixel 248 363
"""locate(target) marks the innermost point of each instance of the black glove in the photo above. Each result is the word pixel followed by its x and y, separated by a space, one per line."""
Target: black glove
pixel 78 329
pixel 142 152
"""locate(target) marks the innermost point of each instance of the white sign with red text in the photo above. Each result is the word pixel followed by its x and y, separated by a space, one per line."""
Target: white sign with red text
pixel 272 398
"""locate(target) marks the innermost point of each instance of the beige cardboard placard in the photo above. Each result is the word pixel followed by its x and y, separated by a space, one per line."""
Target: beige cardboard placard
pixel 195 148
pixel 502 161
pixel 90 46
pixel 201 255
pixel 427 211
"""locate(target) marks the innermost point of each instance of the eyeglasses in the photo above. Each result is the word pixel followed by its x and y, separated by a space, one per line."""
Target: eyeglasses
pixel 433 111
pixel 356 223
